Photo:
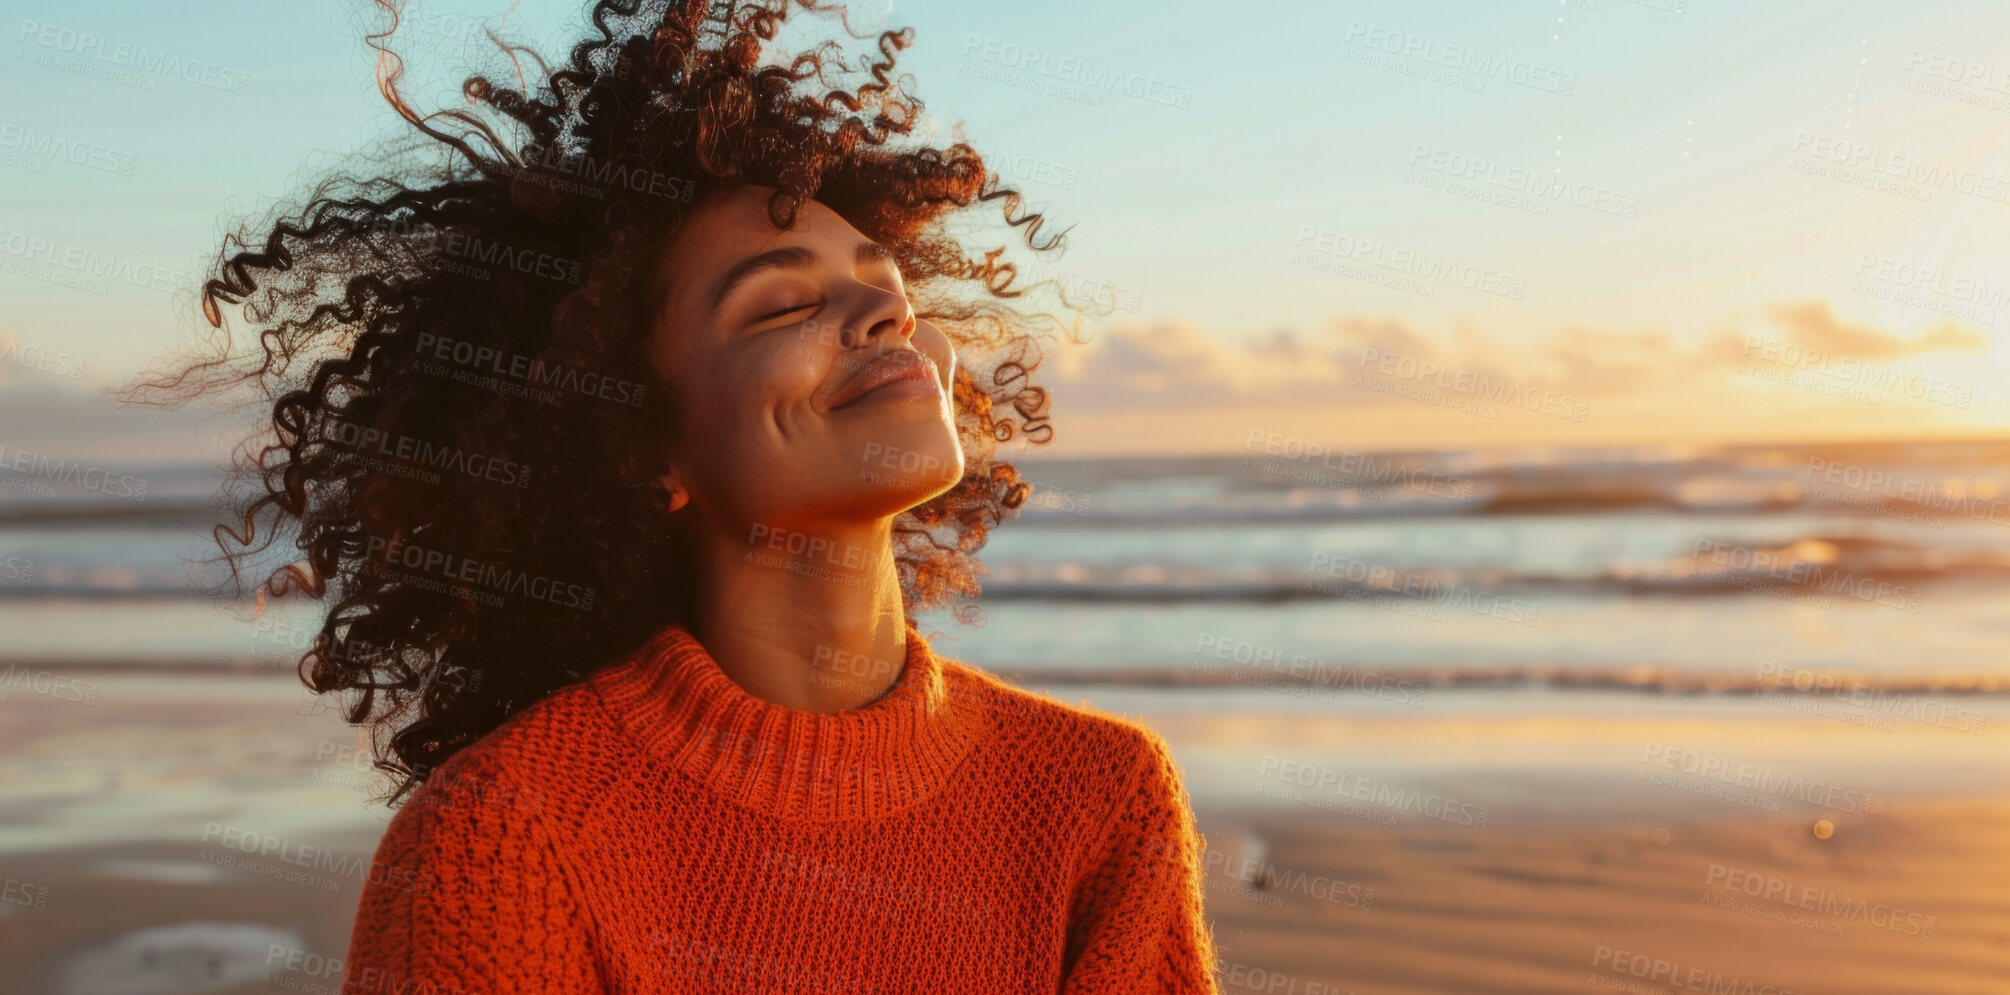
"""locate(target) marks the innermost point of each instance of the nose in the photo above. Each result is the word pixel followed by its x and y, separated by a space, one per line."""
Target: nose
pixel 879 319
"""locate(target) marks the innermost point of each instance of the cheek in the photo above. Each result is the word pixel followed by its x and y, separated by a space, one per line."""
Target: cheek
pixel 749 429
pixel 792 369
pixel 762 400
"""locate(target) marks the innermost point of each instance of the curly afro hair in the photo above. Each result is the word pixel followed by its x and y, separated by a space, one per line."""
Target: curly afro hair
pixel 451 355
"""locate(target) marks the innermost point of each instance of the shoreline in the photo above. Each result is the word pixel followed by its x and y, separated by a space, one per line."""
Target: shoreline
pixel 1353 681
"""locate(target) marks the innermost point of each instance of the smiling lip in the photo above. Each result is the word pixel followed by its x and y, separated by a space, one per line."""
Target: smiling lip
pixel 897 366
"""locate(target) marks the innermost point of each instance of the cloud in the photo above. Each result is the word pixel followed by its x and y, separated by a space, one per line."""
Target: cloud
pixel 1814 324
pixel 1174 364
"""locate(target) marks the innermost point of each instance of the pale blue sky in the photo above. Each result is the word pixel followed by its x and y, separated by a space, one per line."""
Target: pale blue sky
pixel 1194 212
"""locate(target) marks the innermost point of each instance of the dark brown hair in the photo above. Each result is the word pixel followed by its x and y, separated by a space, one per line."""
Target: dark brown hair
pixel 461 428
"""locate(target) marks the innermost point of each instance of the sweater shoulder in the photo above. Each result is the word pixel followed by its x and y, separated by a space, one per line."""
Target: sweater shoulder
pixel 1117 776
pixel 553 756
pixel 1095 740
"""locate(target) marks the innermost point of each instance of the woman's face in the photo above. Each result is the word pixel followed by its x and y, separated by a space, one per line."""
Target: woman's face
pixel 811 396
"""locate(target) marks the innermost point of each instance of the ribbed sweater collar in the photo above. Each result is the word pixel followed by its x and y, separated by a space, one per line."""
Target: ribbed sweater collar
pixel 677 705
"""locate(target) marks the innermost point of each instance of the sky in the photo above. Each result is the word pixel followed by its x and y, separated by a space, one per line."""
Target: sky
pixel 1371 224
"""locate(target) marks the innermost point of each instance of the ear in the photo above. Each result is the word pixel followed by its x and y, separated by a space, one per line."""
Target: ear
pixel 672 482
pixel 635 465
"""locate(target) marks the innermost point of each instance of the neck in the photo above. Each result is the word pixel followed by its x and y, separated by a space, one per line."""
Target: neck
pixel 679 708
pixel 809 618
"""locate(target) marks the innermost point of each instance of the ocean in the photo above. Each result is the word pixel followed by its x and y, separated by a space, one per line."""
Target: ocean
pixel 1660 569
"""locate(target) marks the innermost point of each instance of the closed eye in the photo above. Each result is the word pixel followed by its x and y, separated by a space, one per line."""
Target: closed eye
pixel 791 309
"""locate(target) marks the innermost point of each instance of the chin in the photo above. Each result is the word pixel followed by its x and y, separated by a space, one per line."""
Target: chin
pixel 908 468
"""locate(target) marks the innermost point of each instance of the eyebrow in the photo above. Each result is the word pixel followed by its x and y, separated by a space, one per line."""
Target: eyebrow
pixel 791 257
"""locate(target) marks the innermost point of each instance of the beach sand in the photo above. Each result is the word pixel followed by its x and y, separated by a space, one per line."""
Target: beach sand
pixel 1918 902
pixel 1546 843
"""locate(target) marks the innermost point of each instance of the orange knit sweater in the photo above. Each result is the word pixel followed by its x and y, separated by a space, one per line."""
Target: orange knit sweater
pixel 656 828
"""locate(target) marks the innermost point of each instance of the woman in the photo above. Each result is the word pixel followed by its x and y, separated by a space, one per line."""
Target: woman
pixel 628 443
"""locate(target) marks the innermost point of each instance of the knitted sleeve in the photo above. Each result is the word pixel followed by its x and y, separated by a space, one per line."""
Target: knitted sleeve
pixel 465 896
pixel 1137 924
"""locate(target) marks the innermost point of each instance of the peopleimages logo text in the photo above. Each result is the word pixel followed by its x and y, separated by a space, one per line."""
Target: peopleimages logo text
pixel 1461 58
pixel 127 55
pixel 62 471
pixel 444 565
pixel 1080 72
